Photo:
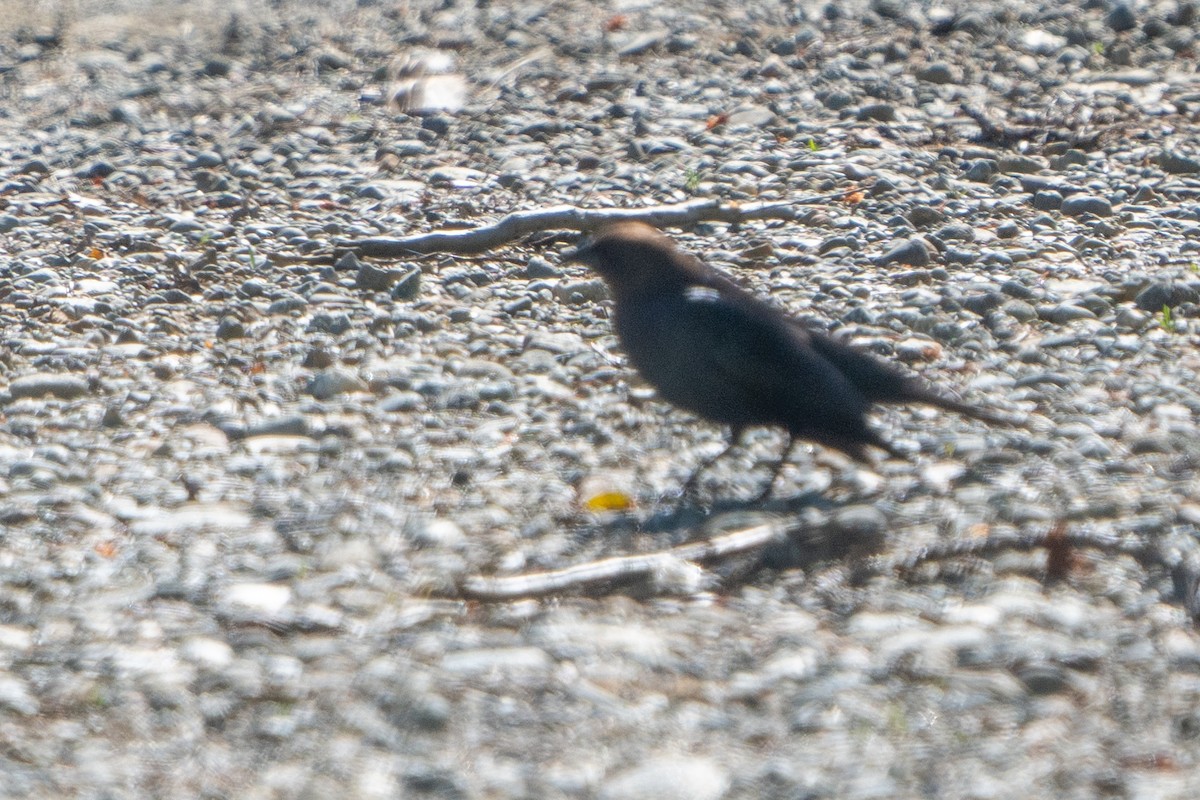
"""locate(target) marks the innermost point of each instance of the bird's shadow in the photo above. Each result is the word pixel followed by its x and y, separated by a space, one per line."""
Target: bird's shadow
pixel 690 515
pixel 676 519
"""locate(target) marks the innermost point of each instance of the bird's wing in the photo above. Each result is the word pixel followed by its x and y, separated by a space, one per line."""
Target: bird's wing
pixel 730 361
pixel 878 380
pixel 881 382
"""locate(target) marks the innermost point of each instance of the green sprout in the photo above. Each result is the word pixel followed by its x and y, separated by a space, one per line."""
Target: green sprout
pixel 692 179
pixel 1167 321
pixel 99 698
pixel 1098 48
pixel 812 145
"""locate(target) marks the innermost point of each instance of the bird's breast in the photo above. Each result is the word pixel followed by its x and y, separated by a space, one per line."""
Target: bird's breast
pixel 669 340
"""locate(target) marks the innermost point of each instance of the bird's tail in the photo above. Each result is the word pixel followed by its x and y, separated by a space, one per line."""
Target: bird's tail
pixel 930 397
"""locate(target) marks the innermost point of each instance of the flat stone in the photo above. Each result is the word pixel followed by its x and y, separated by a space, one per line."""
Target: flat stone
pixel 61 385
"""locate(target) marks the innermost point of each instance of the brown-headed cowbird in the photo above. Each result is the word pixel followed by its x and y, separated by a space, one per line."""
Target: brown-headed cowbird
pixel 709 346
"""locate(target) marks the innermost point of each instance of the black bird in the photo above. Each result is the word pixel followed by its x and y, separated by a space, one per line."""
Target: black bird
pixel 712 348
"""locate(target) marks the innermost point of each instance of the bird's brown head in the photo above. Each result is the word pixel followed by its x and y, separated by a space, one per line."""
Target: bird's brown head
pixel 634 258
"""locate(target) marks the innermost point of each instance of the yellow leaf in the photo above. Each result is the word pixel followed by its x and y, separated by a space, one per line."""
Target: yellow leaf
pixel 609 501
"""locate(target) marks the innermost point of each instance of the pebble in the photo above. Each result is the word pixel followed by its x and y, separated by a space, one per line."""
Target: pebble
pixel 333 382
pixel 914 252
pixel 1176 164
pixel 538 267
pixel 1048 200
pixel 876 112
pixel 373 279
pixel 60 385
pixel 1077 205
pixel 980 170
pixel 667 778
pixel 1166 293
pixel 407 286
pixel 1121 18
pixel 939 73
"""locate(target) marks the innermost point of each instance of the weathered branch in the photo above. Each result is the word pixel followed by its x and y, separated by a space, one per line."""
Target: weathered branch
pixel 670 570
pixel 512 227
pixel 676 571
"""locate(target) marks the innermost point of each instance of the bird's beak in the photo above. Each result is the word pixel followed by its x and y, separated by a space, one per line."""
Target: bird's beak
pixel 580 253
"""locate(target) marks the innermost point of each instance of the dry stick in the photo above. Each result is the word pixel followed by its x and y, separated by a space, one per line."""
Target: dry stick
pixel 1183 567
pixel 669 567
pixel 512 227
pixel 618 568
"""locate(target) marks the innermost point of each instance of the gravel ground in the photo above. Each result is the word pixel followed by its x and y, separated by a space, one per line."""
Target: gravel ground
pixel 242 473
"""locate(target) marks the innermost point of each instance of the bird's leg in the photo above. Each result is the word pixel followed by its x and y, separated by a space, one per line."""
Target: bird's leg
pixel 776 468
pixel 735 439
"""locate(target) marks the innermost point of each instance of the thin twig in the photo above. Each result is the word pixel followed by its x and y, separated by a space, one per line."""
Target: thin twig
pixel 669 568
pixel 512 227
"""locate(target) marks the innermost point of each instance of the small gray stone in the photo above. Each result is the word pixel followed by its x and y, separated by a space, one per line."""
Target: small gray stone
pixel 876 112
pixel 437 532
pixel 517 306
pixel 16 696
pixel 750 117
pixel 206 159
pixel 980 170
pixel 1020 310
pixel 580 292
pixel 401 401
pixel 408 286
pixel 334 324
pixel 1071 158
pixel 330 59
pixel 216 67
pixel 290 425
pixel 923 216
pixel 1086 204
pixel 859 521
pixel 253 288
pixel 288 303
pixel 837 100
pixel 1166 293
pixel 1020 165
pixel 682 42
pixel 1043 678
pixel 538 267
pixel 938 72
pixel 982 303
pixel 641 42
pixel 1047 200
pixel 1121 18
pixel 1177 164
pixel 230 328
pixel 1150 443
pixel 348 262
pixel 914 252
pixel 1064 313
pixel 1132 318
pixel 60 385
pixel 375 279
pixel 317 358
pixel 332 382
pixel 667 778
